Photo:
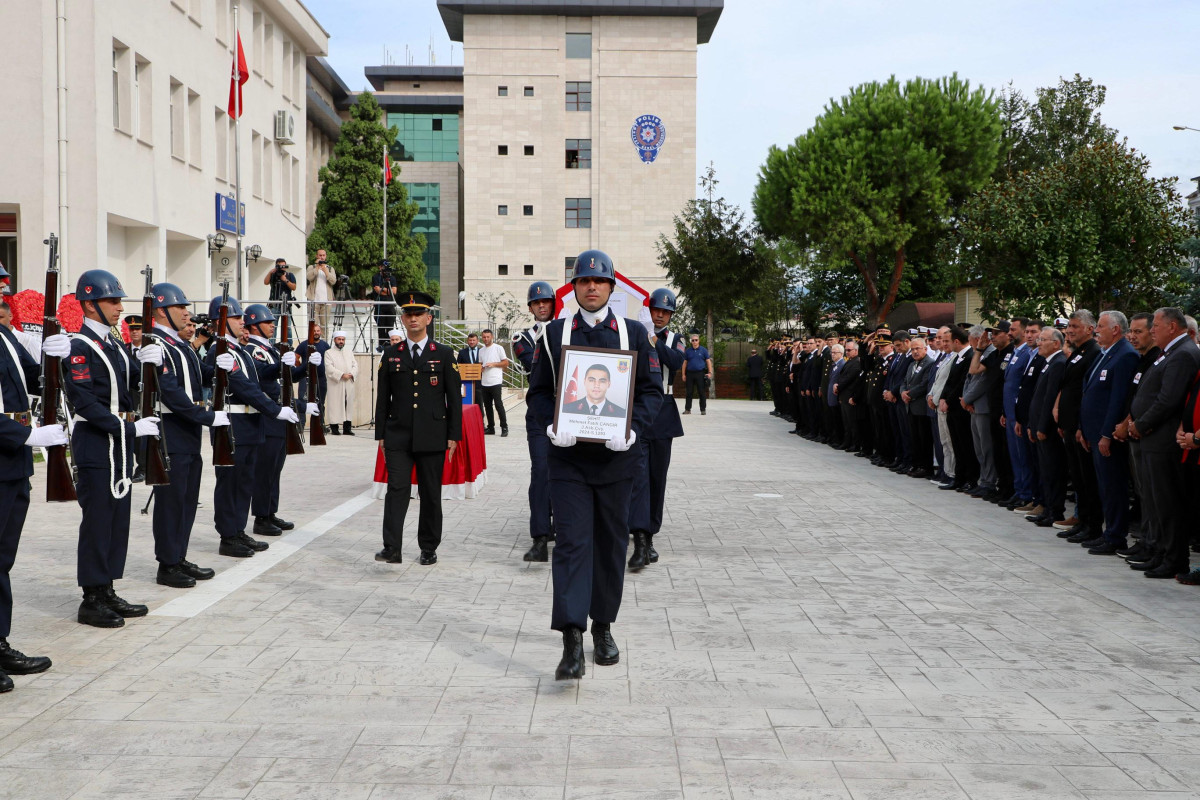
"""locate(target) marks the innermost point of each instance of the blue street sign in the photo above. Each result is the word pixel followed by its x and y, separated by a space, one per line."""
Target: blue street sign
pixel 225 215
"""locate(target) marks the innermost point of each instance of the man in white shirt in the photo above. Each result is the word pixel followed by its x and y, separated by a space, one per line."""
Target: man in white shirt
pixel 320 287
pixel 491 386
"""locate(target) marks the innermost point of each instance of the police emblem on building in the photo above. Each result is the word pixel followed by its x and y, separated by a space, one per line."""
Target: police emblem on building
pixel 648 134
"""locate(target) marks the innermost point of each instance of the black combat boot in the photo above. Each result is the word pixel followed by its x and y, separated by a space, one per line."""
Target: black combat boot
pixel 94 610
pixel 538 551
pixel 122 607
pixel 651 553
pixel 638 559
pixel 572 664
pixel 14 662
pixel 346 429
pixel 603 647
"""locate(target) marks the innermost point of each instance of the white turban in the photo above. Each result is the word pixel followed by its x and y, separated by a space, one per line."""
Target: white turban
pixel 395 332
pixel 339 334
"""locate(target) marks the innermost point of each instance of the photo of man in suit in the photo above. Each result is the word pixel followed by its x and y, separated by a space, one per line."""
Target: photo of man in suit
pixel 596 382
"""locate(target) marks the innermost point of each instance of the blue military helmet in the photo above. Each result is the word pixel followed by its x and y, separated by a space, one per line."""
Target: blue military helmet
pixel 594 264
pixel 663 300
pixel 167 295
pixel 540 290
pixel 214 308
pixel 98 284
pixel 4 272
pixel 257 313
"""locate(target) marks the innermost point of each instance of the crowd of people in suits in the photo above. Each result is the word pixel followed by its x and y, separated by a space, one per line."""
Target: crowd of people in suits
pixel 1087 426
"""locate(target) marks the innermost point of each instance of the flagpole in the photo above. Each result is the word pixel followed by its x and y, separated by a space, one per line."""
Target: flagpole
pixel 237 152
pixel 385 190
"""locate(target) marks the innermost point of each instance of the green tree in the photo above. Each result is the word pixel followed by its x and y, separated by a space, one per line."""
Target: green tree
pixel 349 218
pixel 881 170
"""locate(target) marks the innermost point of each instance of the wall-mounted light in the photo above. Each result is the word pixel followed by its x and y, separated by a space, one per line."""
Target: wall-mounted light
pixel 254 252
pixel 216 243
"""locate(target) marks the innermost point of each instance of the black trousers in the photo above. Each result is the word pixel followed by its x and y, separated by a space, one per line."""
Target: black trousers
pixel 103 530
pixel 1004 471
pixel 1164 478
pixel 883 431
pixel 833 422
pixel 1112 478
pixel 539 485
pixel 400 465
pixel 921 441
pixel 756 389
pixel 901 432
pixel 592 538
pixel 695 380
pixel 14 505
pixel 649 495
pixel 267 474
pixel 1052 466
pixel 493 398
pixel 966 465
pixel 175 508
pixel 1087 489
pixel 849 425
pixel 234 491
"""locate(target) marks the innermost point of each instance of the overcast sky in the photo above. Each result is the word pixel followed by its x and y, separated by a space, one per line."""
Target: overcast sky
pixel 772 65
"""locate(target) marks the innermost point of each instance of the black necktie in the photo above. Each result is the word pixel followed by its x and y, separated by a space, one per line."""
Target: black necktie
pixel 415 352
pixel 595 410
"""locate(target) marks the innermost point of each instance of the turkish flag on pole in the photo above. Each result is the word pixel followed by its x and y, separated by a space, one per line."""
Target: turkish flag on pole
pixel 387 169
pixel 238 76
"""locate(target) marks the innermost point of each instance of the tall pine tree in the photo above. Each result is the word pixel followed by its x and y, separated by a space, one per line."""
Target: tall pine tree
pixel 349 219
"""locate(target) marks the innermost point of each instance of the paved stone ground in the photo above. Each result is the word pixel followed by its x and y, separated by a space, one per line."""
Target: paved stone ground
pixel 860 635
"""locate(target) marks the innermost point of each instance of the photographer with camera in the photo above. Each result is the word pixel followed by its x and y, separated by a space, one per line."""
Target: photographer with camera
pixel 321 280
pixel 283 284
pixel 383 290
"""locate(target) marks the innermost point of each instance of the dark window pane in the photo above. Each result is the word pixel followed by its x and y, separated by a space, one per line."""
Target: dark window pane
pixel 529 91
pixel 579 45
pixel 501 149
pixel 528 149
pixel 502 211
pixel 527 210
pixel 529 269
pixel 502 91
pixel 502 269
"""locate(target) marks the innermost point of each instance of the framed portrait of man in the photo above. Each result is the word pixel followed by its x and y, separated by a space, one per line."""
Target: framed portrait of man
pixel 595 393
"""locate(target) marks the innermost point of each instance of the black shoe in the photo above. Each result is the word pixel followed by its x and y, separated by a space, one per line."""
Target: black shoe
pixel 253 544
pixel 121 606
pixel 1095 541
pixel 572 665
pixel 947 486
pixel 347 430
pixel 1164 571
pixel 1046 521
pixel 1133 553
pixel 234 548
pixel 703 412
pixel 389 556
pixel 651 553
pixel 1146 566
pixel 333 430
pixel 282 524
pixel 6 684
pixel 427 557
pixel 538 551
pixel 604 649
pixel 503 432
pixel 264 527
pixel 1104 550
pixel 489 432
pixel 14 662
pixel 919 473
pixel 1081 537
pixel 967 488
pixel 173 575
pixel 638 559
pixel 94 610
pixel 193 571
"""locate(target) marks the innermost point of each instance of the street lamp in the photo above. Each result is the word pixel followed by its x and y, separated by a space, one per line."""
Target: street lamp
pixel 216 242
pixel 254 252
pixel 1185 128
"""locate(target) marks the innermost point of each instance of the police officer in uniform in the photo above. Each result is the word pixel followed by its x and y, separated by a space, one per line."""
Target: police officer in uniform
pixel 181 381
pixel 649 494
pixel 881 359
pixel 591 484
pixel 247 407
pixel 524 343
pixel 19 375
pixel 418 417
pixel 268 471
pixel 99 388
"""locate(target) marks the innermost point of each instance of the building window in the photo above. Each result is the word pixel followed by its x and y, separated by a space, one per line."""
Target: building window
pixel 527 210
pixel 416 86
pixel 502 269
pixel 268 162
pixel 222 140
pixel 529 91
pixel 256 44
pixel 295 187
pixel 579 212
pixel 579 45
pixel 579 95
pixel 122 107
pixel 501 149
pixel 178 112
pixel 437 123
pixel 529 269
pixel 256 172
pixel 502 91
pixel 285 79
pixel 221 15
pixel 143 100
pixel 579 153
pixel 502 211
pixel 425 137
pixel 195 151
pixel 427 222
pixel 569 267
pixel 528 149
pixel 268 53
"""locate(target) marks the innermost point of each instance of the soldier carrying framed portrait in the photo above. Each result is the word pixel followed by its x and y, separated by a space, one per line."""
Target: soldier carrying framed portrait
pixel 595 393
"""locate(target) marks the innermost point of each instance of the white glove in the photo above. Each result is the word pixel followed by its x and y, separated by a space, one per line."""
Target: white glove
pixel 146 427
pixel 560 439
pixel 287 415
pixel 48 435
pixel 619 444
pixel 57 346
pixel 220 419
pixel 312 410
pixel 315 359
pixel 151 354
pixel 225 361
pixel 288 359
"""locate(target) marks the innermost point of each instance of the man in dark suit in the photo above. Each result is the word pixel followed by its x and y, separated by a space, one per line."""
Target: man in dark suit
pixel 1043 428
pixel 829 401
pixel 1142 339
pixel 470 355
pixel 913 392
pixel 958 419
pixel 1156 411
pixel 1036 503
pixel 811 386
pixel 847 388
pixel 1101 409
pixel 882 429
pixel 897 408
pixel 418 417
pixel 754 372
pixel 1088 525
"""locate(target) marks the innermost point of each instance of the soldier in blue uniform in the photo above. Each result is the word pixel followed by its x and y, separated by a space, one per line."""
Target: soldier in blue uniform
pixel 649 496
pixel 100 380
pixel 248 407
pixel 591 484
pixel 524 343
pixel 268 471
pixel 181 381
pixel 19 375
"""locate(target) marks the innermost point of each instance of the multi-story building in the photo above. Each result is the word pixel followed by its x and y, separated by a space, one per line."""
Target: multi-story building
pixel 118 137
pixel 578 131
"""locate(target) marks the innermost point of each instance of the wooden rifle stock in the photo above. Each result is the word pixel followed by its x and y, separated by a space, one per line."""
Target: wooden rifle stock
pixel 223 436
pixel 316 433
pixel 60 488
pixel 155 461
pixel 292 439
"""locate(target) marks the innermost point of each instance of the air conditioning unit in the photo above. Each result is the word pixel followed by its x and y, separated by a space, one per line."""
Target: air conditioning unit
pixel 285 127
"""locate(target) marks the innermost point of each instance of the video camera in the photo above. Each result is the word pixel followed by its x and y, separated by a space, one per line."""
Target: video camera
pixel 203 325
